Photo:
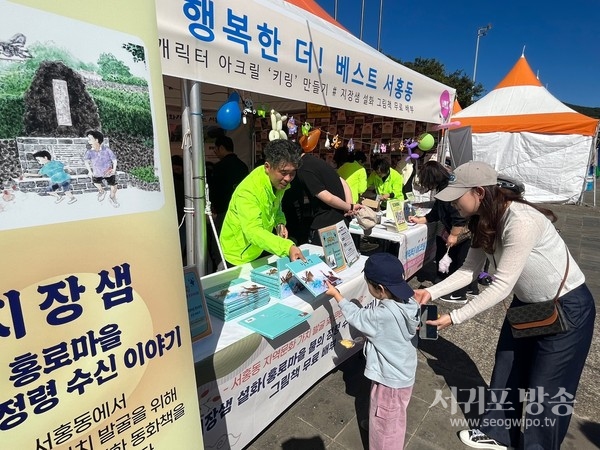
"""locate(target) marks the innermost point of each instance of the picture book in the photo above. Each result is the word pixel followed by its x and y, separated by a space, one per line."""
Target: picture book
pixel 332 248
pixel 274 320
pixel 313 273
pixel 351 254
pixel 395 209
pixel 278 278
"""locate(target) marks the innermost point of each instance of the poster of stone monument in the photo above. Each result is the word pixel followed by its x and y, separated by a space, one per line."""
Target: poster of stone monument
pixel 59 83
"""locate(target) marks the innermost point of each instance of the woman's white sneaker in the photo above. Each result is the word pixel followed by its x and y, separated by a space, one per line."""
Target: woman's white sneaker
pixel 476 439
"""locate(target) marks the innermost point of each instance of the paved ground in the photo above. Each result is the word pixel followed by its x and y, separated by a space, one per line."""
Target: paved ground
pixel 327 416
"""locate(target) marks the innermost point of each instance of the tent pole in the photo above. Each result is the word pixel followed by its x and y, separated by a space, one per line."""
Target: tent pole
pixel 186 146
pixel 595 159
pixel 198 178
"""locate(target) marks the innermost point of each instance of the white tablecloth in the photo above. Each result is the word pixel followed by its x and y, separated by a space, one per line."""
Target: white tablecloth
pixel 245 381
pixel 417 243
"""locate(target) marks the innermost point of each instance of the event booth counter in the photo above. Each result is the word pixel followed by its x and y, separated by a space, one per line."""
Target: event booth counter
pixel 416 244
pixel 246 381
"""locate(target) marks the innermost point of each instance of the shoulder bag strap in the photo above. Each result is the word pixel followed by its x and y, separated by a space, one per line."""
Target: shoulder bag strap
pixel 564 278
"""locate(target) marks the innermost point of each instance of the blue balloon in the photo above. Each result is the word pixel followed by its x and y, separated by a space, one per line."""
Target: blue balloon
pixel 229 115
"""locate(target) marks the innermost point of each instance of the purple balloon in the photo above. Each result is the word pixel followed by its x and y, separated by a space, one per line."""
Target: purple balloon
pixel 412 145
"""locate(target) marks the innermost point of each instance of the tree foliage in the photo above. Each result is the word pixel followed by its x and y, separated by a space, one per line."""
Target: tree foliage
pixel 137 51
pixel 110 66
pixel 466 92
pixel 585 110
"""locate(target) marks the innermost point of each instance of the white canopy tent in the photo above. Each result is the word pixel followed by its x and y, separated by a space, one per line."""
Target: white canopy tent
pixel 275 48
pixel 528 134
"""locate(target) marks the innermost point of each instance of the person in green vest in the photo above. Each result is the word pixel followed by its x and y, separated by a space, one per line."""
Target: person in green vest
pixel 355 174
pixel 386 182
pixel 254 224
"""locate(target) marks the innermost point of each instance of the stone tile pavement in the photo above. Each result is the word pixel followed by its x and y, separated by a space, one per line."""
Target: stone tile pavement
pixel 327 416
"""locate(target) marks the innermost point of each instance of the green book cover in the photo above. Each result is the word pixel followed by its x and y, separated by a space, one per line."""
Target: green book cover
pixel 274 320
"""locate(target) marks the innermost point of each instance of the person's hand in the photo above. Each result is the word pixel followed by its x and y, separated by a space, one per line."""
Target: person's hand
pixel 355 207
pixel 332 291
pixel 422 296
pixel 295 253
pixel 282 231
pixel 451 241
pixel 444 321
pixel 416 219
pixel 383 196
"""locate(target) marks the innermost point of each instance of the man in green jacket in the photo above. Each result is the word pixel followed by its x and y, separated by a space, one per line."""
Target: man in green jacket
pixel 254 212
pixel 387 182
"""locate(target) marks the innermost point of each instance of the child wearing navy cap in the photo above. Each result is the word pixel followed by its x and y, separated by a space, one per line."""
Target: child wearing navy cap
pixel 390 348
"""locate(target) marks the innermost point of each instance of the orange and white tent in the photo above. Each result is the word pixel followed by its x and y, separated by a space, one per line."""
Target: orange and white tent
pixel 525 132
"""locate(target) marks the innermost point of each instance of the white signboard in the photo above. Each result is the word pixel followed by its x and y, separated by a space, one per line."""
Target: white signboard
pixel 273 47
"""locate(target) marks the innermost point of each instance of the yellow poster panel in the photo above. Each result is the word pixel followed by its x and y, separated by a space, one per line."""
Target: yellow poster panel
pixel 95 348
pixel 314 111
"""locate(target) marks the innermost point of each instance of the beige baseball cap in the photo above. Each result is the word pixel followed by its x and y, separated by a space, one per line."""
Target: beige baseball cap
pixel 467 176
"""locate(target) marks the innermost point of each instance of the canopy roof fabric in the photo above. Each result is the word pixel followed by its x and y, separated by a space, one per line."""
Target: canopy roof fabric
pixel 278 48
pixel 456 107
pixel 520 103
pixel 314 8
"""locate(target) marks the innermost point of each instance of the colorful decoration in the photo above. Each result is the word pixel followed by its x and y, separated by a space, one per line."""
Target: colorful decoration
pixel 383 148
pixel 248 109
pixel 292 127
pixel 350 146
pixel 261 111
pixel 445 108
pixel 229 115
pixel 309 141
pixel 277 126
pixel 337 142
pixel 408 145
pixel 327 143
pixel 306 128
pixel 443 126
pixel 426 142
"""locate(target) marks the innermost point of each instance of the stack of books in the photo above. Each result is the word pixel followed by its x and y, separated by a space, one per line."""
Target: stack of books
pixel 236 297
pixel 278 278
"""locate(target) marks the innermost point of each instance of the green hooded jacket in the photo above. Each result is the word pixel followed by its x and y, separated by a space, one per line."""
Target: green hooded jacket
pixel 392 185
pixel 254 211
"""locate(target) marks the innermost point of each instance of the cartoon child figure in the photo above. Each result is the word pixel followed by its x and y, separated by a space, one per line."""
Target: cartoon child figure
pixel 101 164
pixel 57 172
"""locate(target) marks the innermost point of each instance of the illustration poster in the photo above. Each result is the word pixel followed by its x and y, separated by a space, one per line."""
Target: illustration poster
pixel 332 248
pixel 95 345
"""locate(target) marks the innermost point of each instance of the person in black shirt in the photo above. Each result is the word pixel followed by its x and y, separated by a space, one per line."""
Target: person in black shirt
pixel 330 196
pixel 433 176
pixel 226 175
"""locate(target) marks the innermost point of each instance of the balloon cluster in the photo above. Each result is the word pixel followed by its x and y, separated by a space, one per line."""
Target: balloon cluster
pixel 424 142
